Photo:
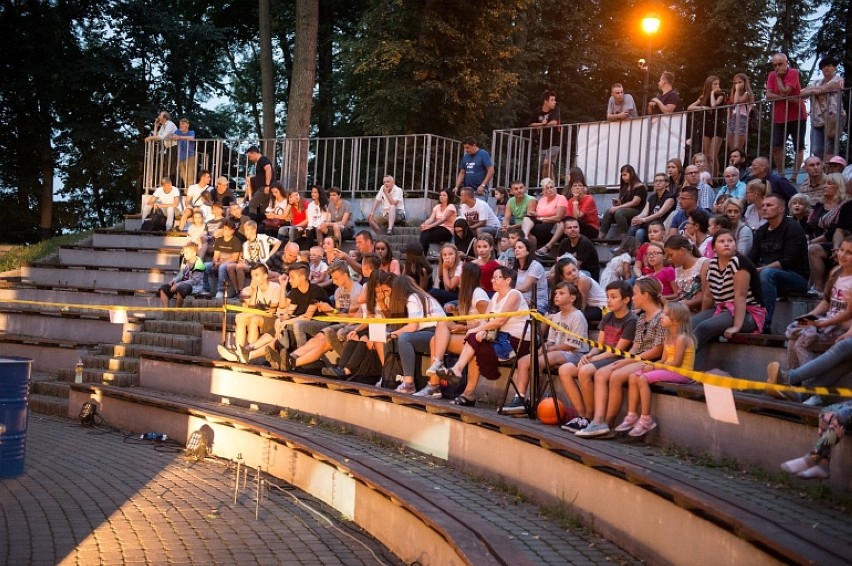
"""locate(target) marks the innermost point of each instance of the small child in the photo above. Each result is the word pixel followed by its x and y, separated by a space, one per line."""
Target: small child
pixel 505 253
pixel 619 266
pixel 617 330
pixel 213 227
pixel 655 261
pixel 656 234
pixel 715 223
pixel 562 347
pixel 501 198
pixel 678 352
pixel 188 281
pixel 197 232
pixel 318 267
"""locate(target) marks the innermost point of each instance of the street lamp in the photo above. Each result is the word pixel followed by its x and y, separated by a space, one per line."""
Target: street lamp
pixel 650 26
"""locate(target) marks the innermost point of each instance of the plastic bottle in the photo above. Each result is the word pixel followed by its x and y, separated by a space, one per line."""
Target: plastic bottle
pixel 154 436
pixel 78 371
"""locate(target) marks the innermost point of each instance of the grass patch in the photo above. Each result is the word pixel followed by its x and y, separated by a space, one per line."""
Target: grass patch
pixel 20 255
pixel 564 515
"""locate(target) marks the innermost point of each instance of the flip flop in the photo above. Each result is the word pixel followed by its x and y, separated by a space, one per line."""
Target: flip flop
pixel 463 401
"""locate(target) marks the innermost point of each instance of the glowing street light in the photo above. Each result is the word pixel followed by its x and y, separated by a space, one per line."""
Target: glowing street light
pixel 650 27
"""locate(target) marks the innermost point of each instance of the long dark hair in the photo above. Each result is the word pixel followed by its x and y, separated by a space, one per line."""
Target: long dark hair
pixel 526 264
pixel 389 257
pixel 402 289
pixel 377 277
pixel 463 242
pixel 469 282
pixel 415 262
pixel 631 182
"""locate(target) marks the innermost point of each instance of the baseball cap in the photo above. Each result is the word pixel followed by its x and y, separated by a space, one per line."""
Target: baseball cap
pixel 838 161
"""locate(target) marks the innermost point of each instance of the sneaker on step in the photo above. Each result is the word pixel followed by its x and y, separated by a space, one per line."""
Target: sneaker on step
pixel 517 406
pixel 798 465
pixel 227 354
pixel 437 366
pixel 593 430
pixel 818 472
pixel 432 391
pixel 219 295
pixel 628 423
pixel 643 426
pixel 813 401
pixel 576 424
pixel 406 387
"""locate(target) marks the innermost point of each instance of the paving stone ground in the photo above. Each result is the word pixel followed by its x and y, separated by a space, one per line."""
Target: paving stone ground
pixel 89 497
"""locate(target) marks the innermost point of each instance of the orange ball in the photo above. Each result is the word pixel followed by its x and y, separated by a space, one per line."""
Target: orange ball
pixel 546 412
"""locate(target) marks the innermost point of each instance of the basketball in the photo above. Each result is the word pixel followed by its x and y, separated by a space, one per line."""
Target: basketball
pixel 546 412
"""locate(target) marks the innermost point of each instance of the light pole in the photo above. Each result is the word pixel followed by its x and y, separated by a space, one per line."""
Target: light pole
pixel 650 26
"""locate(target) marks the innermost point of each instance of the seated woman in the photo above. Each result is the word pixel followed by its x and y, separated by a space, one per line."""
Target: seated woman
pixel 741 231
pixel 547 218
pixel 298 218
pixel 731 297
pixel 582 206
pixel 409 301
pixel 659 205
pixel 690 271
pixel 485 259
pixel 696 230
pixel 835 223
pixel 388 262
pixel 277 211
pixel 317 213
pixel 438 228
pixel 511 337
pixel 592 296
pixel 449 274
pixel 530 275
pixel 417 267
pixel 755 192
pixel 817 330
pixel 833 422
pixel 630 202
pixel 449 335
pixel 647 346
pixel 463 238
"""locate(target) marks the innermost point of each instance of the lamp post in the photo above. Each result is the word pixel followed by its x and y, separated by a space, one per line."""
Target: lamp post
pixel 650 26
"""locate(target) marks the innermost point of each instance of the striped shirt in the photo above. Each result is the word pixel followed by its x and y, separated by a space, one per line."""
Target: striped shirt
pixel 721 282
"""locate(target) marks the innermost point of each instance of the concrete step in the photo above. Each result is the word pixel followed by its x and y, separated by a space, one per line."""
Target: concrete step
pixel 188 328
pixel 59 275
pixel 57 327
pixel 188 345
pixel 166 258
pixel 112 363
pixel 54 388
pixel 134 350
pixel 109 377
pixel 79 295
pixel 124 239
pixel 48 405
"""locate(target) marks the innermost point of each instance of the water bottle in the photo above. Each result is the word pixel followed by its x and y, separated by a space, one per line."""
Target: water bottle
pixel 154 436
pixel 78 371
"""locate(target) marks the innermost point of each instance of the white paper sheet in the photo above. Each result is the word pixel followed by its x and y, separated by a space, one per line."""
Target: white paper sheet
pixel 720 404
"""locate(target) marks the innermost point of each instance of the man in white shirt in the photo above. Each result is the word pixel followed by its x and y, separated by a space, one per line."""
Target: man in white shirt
pixel 197 198
pixel 166 198
pixel 392 207
pixel 162 131
pixel 480 217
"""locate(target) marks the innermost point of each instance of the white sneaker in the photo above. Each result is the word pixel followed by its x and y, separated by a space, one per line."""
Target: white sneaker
pixel 220 295
pixel 437 365
pixel 227 354
pixel 433 391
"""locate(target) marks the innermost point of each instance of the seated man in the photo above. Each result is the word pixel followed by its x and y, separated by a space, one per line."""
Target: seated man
pixel 780 252
pixel 257 248
pixel 581 248
pixel 392 207
pixel 197 198
pixel 188 281
pixel 226 250
pixel 480 217
pixel 166 197
pixel 340 221
pixel 263 297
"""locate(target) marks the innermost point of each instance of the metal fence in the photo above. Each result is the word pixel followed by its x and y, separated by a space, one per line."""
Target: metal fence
pixel 648 142
pixel 421 164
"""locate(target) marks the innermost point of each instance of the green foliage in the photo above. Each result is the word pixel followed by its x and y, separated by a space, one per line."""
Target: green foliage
pixel 18 256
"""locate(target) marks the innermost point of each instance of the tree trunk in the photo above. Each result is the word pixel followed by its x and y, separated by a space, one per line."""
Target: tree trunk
pixel 45 227
pixel 325 72
pixel 267 77
pixel 302 83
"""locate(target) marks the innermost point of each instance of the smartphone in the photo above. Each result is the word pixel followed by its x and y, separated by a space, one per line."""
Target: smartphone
pixel 807 318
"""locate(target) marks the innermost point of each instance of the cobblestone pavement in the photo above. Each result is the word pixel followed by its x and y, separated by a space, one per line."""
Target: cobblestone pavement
pixel 90 497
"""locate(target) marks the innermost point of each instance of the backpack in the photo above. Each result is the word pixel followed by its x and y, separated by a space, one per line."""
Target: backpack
pixel 156 222
pixel 392 366
pixel 450 390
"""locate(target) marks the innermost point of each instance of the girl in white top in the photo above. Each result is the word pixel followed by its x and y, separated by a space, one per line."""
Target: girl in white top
pixel 317 212
pixel 506 299
pixel 409 301
pixel 449 335
pixel 530 273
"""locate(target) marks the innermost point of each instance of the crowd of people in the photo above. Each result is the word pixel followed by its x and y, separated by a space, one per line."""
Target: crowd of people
pixel 703 254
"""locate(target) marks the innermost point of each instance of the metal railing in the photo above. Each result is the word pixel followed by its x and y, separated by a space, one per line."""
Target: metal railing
pixel 648 142
pixel 421 164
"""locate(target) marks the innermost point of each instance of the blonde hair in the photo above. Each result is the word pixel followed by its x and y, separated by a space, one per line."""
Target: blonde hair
pixel 681 316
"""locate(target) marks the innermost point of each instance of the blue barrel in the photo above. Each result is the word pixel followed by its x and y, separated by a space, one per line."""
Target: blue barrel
pixel 14 393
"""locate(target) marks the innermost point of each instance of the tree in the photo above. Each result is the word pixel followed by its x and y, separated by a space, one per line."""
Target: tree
pixel 302 81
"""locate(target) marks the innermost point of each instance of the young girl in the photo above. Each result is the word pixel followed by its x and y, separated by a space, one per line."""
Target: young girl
pixel 484 248
pixel 647 346
pixel 389 263
pixel 449 274
pixel 197 232
pixel 617 330
pixel 678 352
pixel 619 266
pixel 742 99
pixel 501 199
pixel 317 213
pixel 656 234
pixel 417 267
pixel 562 347
pixel 819 329
pixel 655 260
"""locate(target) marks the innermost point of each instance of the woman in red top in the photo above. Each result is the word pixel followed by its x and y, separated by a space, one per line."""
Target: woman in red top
pixel 582 206
pixel 299 219
pixel 484 248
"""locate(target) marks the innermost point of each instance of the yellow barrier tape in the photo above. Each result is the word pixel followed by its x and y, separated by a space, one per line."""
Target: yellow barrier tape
pixel 108 307
pixel 702 377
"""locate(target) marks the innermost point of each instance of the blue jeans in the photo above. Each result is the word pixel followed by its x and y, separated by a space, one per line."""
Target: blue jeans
pixel 826 369
pixel 304 330
pixel 409 343
pixel 776 282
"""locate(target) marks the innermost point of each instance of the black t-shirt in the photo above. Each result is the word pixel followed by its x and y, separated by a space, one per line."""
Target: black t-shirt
pixel 300 301
pixel 260 171
pixel 671 97
pixel 548 135
pixel 223 246
pixel 629 193
pixel 585 253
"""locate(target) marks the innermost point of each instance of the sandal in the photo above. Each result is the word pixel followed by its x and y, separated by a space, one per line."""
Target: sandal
pixel 543 250
pixel 463 401
pixel 449 376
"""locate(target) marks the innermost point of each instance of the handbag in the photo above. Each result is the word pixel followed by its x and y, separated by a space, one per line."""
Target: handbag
pixel 272 223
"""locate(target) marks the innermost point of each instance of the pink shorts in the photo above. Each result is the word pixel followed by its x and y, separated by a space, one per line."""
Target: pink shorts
pixel 665 375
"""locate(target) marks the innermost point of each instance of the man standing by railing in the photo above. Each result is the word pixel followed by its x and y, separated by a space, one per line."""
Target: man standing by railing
pixel 162 131
pixel 257 185
pixel 827 115
pixel 475 169
pixel 544 119
pixel 669 99
pixel 187 160
pixel 620 106
pixel 788 116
